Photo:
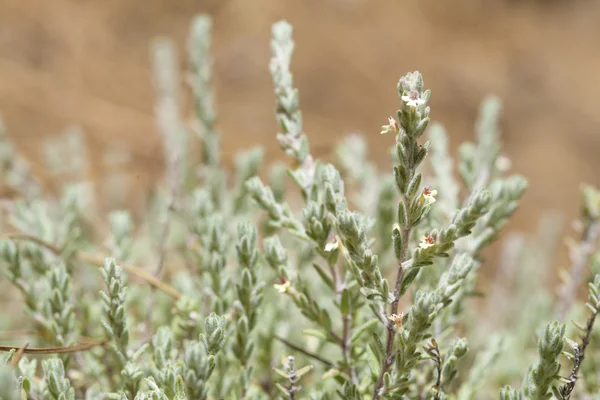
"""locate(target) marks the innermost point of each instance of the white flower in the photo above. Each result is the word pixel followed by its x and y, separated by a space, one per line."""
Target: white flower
pixel 392 126
pixel 284 286
pixel 429 195
pixel 396 319
pixel 413 99
pixel 331 246
pixel 426 242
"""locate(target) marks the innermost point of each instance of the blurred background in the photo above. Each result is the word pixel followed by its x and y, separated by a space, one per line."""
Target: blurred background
pixel 84 65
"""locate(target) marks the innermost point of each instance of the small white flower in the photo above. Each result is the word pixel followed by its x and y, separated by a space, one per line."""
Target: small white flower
pixel 331 246
pixel 392 126
pixel 429 195
pixel 284 286
pixel 396 319
pixel 413 99
pixel 426 242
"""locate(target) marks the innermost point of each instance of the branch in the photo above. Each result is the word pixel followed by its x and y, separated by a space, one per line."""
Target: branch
pixel 305 352
pixel 54 350
pixel 568 387
pixel 17 357
pixel 434 352
pixel 391 332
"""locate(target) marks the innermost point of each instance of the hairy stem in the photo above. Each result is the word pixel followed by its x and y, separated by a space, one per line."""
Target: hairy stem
pixel 391 332
pixel 567 389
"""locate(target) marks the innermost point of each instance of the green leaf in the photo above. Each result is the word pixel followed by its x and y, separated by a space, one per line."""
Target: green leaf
pixel 413 186
pixel 304 370
pixel 282 389
pixel 360 330
pixel 281 373
pixel 315 333
pixel 326 279
pixel 408 279
pixel 345 303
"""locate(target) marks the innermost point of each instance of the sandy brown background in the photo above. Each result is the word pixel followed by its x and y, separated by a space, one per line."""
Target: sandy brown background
pixel 86 62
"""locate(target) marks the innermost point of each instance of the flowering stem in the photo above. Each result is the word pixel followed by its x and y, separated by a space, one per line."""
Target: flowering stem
pixel 567 389
pixel 391 332
pixel 579 350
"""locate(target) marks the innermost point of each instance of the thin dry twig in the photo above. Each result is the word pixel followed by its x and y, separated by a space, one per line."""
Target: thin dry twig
pixel 17 357
pixel 568 387
pixel 305 352
pixel 54 350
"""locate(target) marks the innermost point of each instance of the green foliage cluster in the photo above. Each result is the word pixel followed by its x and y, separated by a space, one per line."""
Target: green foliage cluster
pixel 355 284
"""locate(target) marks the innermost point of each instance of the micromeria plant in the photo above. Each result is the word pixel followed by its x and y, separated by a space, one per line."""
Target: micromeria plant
pixel 355 284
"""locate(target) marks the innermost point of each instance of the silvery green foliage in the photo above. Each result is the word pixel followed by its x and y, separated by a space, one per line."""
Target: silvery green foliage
pixel 199 357
pixel 154 392
pixel 57 386
pixel 115 320
pixel 167 371
pixel 25 372
pixel 201 84
pixel 508 393
pixel 543 374
pixel 292 376
pixel 9 390
pixel 116 329
pixel 168 113
pixel 56 221
pixel 365 277
pixel 249 297
pixel 52 310
pixel 292 139
pixel 59 316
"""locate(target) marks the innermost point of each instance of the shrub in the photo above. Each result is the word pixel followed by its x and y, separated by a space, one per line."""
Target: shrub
pixel 362 287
